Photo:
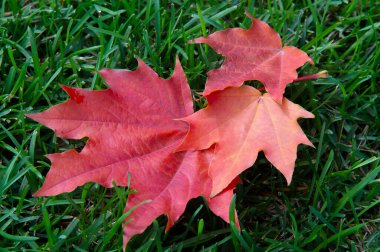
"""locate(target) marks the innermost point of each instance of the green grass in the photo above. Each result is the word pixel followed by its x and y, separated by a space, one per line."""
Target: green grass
pixel 333 201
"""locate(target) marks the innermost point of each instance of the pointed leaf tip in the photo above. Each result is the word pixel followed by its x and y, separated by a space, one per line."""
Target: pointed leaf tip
pixel 249 14
pixel 104 72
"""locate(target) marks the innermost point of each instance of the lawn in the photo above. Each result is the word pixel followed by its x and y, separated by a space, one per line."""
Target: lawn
pixel 332 203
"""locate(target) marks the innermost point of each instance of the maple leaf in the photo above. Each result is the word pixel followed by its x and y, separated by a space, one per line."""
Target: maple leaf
pixel 253 54
pixel 131 129
pixel 250 123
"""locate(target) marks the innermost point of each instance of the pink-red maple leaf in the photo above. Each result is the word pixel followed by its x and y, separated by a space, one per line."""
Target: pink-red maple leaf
pixel 253 54
pixel 131 129
pixel 242 122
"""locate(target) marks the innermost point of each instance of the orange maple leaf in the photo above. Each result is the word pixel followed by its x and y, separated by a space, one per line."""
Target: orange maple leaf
pixel 242 122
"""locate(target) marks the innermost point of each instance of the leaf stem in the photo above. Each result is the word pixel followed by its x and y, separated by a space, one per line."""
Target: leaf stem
pixel 321 74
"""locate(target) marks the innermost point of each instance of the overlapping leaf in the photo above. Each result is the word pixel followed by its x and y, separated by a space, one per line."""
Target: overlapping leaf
pixel 242 122
pixel 131 130
pixel 253 54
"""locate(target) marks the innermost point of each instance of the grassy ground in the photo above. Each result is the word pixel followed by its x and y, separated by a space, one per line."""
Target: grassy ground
pixel 333 202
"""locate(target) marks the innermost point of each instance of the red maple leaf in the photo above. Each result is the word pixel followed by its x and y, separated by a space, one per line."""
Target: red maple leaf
pixel 253 54
pixel 131 129
pixel 242 122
